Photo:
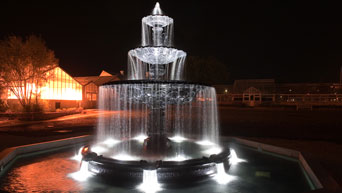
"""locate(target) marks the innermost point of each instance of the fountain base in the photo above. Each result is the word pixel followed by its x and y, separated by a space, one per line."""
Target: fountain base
pixel 167 171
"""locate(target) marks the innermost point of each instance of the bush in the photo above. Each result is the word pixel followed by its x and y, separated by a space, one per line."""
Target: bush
pixel 33 108
pixel 3 106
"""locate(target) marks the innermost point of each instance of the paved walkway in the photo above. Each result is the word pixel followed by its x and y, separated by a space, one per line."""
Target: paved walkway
pixel 86 118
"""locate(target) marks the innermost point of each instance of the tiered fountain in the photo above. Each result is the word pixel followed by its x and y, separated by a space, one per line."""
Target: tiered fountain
pixel 160 128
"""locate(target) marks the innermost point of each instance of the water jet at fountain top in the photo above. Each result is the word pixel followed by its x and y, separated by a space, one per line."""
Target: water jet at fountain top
pixel 156 10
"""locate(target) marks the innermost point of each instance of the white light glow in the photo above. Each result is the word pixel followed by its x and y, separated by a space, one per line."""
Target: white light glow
pixel 78 156
pixel 124 157
pixel 178 158
pixel 221 176
pixel 140 138
pixel 213 150
pixel 178 139
pixel 150 182
pixel 234 159
pixel 205 143
pixel 98 149
pixel 110 142
pixel 83 174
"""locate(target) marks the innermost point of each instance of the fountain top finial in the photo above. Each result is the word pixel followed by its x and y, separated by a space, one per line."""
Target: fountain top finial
pixel 156 10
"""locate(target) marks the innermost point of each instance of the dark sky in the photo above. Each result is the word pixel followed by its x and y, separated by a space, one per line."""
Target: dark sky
pixel 291 41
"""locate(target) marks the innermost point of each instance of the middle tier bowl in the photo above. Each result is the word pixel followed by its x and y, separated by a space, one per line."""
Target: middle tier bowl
pixel 156 93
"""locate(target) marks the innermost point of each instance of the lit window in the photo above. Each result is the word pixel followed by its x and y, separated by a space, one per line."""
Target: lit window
pixel 89 96
pixel 93 97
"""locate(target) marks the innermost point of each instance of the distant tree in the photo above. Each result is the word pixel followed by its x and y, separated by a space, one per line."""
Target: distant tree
pixel 3 104
pixel 24 64
pixel 206 70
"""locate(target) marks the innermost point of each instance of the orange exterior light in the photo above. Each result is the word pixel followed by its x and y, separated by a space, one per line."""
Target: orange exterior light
pixel 59 86
pixel 85 150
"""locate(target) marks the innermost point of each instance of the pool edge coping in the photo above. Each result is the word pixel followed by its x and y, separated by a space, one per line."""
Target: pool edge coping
pixel 9 154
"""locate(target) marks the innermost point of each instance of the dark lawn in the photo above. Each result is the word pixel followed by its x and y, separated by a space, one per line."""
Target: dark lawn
pixel 318 124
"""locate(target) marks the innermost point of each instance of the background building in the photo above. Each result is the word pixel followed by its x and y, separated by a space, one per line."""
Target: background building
pixel 62 91
pixel 90 87
pixel 266 92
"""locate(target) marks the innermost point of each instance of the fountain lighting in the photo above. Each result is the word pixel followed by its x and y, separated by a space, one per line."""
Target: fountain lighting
pixel 124 157
pixel 221 176
pixel 78 156
pixel 213 150
pixel 98 149
pixel 234 159
pixel 141 138
pixel 205 143
pixel 150 182
pixel 83 174
pixel 110 142
pixel 178 138
pixel 179 157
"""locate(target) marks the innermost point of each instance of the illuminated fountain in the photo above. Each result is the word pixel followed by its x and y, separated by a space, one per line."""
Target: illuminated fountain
pixel 157 133
pixel 163 129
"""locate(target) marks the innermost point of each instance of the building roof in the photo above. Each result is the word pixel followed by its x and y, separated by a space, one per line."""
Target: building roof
pixel 103 78
pixel 104 73
pixel 84 80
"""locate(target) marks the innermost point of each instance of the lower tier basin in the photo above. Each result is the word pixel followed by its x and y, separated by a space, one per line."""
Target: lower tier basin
pixel 251 170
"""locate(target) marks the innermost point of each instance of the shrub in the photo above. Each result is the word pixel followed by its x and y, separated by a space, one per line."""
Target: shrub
pixel 3 106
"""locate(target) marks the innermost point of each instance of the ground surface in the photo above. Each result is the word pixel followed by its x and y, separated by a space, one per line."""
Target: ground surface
pixel 316 132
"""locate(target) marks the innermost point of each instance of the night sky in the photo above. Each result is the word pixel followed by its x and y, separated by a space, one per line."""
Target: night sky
pixel 290 41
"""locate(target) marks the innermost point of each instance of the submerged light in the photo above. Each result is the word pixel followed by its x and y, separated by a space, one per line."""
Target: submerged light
pixel 177 139
pixel 221 176
pixel 150 182
pixel 78 156
pixel 110 142
pixel 124 157
pixel 140 138
pixel 99 149
pixel 179 157
pixel 83 174
pixel 234 159
pixel 213 150
pixel 205 143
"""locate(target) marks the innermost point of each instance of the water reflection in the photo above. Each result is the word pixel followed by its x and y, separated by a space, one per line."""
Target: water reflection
pixel 47 174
